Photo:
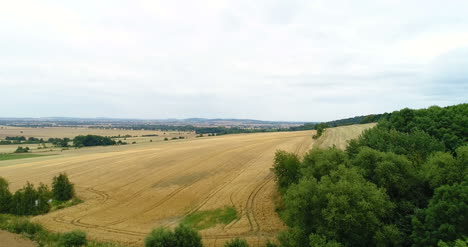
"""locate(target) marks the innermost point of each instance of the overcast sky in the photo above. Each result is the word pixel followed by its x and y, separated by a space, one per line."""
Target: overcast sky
pixel 308 60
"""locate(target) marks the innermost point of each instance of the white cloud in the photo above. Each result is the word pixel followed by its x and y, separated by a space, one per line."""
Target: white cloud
pixel 278 60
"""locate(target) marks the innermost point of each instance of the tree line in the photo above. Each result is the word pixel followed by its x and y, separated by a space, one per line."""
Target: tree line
pixel 401 183
pixel 34 201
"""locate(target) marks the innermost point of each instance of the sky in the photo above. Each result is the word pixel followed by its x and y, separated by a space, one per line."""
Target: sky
pixel 289 60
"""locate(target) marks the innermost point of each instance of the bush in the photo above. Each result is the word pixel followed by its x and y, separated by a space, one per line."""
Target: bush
pixel 187 237
pixel 160 237
pixel 92 140
pixel 5 196
pixel 62 188
pixel 73 239
pixel 22 150
pixel 22 225
pixel 236 243
pixel 183 236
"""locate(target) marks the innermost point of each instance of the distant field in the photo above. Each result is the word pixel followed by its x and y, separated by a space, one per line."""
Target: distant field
pixel 137 136
pixel 18 156
pixel 70 132
pixel 128 190
pixel 340 136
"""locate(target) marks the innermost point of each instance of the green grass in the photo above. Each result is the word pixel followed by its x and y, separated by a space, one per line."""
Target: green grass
pixel 34 231
pixel 205 219
pixel 19 156
pixel 56 205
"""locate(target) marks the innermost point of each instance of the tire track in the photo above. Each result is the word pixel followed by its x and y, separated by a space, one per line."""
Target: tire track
pixel 254 225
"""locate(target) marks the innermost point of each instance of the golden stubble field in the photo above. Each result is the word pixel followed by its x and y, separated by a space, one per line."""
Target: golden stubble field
pixel 128 190
pixel 137 136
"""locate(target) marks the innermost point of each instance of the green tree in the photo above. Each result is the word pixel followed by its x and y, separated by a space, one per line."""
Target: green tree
pixel 43 197
pixel 445 218
pixel 316 240
pixel 5 196
pixel 443 168
pixel 161 237
pixel 342 206
pixel 187 237
pixel 286 168
pixel 237 242
pixel 24 201
pixel 73 239
pixel 320 162
pixel 62 188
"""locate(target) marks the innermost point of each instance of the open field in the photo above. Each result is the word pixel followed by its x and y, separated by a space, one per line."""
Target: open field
pixel 71 132
pixel 340 135
pixel 8 239
pixel 128 190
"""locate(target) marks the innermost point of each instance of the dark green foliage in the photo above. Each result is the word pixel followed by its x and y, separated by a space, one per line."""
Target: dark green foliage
pixel 59 142
pixel 187 237
pixel 342 206
pixel 417 145
pixel 62 188
pixel 447 124
pixel 395 173
pixel 320 162
pixel 445 218
pixel 443 168
pixel 316 240
pixel 22 225
pixel 182 236
pixel 5 196
pixel 456 243
pixel 160 237
pixel 29 201
pixel 286 169
pixel 92 140
pixel 237 242
pixel 16 138
pixel 320 129
pixel 401 183
pixel 73 239
pixel 22 150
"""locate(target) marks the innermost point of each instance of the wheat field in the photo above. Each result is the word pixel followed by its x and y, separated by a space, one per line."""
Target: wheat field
pixel 129 190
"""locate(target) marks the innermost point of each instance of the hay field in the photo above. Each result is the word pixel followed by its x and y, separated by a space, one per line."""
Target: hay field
pixel 71 132
pixel 128 190
pixel 340 135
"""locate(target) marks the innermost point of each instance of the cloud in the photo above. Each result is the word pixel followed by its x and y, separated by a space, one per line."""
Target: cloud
pixel 272 60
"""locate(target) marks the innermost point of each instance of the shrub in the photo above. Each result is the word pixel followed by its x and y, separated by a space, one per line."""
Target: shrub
pixel 5 196
pixel 160 237
pixel 236 243
pixel 22 225
pixel 22 150
pixel 186 236
pixel 73 239
pixel 62 188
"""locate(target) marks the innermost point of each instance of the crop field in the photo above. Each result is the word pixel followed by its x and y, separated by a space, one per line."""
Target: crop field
pixel 137 136
pixel 128 190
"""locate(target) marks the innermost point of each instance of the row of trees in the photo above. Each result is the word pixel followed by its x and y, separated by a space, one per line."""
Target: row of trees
pixel 34 201
pixel 92 140
pixel 184 236
pixel 402 183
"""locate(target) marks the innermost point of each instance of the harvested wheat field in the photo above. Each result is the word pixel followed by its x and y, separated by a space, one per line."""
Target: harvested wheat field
pixel 340 135
pixel 128 190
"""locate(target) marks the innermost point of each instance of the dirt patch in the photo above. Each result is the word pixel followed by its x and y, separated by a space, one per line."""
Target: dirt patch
pixel 8 239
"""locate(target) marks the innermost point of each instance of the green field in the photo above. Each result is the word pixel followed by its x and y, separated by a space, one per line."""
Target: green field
pixel 206 219
pixel 19 156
